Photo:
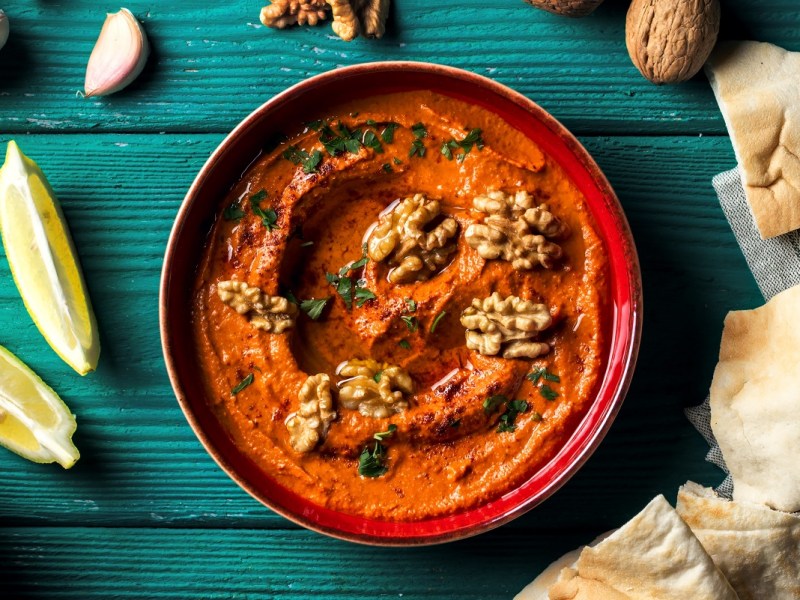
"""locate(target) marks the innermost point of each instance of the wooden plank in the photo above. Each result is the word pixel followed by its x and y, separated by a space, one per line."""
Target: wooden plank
pixel 162 563
pixel 213 63
pixel 141 464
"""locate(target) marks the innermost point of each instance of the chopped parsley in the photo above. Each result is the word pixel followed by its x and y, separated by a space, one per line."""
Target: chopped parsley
pixel 419 131
pixel 438 318
pixel 370 122
pixel 547 392
pixel 242 384
pixel 387 135
pixel 372 464
pixel 382 435
pixel 397 161
pixel 289 295
pixel 297 156
pixel 412 304
pixel 411 322
pixel 513 409
pixel 314 307
pixel 377 379
pixel 492 402
pixel 404 344
pixel 348 289
pixel 370 140
pixel 536 416
pixel 417 149
pixel 388 168
pixel 314 125
pixel 542 373
pixel 233 212
pixel 269 218
pixel 472 139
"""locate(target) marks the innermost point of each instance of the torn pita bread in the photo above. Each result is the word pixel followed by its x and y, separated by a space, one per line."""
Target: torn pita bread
pixel 655 556
pixel 755 547
pixel 537 589
pixel 755 402
pixel 571 586
pixel 757 86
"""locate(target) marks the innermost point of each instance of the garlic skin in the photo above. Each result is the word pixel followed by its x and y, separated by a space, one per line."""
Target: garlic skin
pixel 3 29
pixel 118 56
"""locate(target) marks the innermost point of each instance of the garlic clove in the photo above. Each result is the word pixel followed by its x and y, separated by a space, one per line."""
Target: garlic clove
pixel 119 55
pixel 3 29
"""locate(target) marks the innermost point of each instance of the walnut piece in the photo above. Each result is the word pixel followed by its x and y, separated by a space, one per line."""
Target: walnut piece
pixel 568 8
pixel 280 14
pixel 670 40
pixel 401 239
pixel 310 423
pixel 375 389
pixel 353 16
pixel 495 324
pixel 273 314
pixel 515 230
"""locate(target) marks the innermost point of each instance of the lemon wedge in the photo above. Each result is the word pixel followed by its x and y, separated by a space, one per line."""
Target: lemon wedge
pixel 44 263
pixel 34 422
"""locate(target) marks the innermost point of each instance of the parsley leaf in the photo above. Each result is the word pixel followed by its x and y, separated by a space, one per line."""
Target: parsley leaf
pixel 295 155
pixel 492 402
pixel 548 393
pixel 536 416
pixel 513 409
pixel 314 307
pixel 438 318
pixel 370 140
pixel 411 323
pixel 377 379
pixel 397 161
pixel 269 218
pixel 472 139
pixel 417 148
pixel 314 125
pixel 289 295
pixel 362 295
pixel 388 168
pixel 242 384
pixel 412 304
pixel 382 435
pixel 387 135
pixel 542 373
pixel 311 163
pixel 233 212
pixel 371 464
pixel 419 131
pixel 404 344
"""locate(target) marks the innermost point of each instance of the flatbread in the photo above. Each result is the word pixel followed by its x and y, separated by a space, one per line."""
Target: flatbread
pixel 757 86
pixel 755 402
pixel 538 588
pixel 571 586
pixel 755 547
pixel 655 556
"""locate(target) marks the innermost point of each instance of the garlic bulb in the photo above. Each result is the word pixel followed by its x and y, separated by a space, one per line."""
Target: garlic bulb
pixel 118 56
pixel 3 29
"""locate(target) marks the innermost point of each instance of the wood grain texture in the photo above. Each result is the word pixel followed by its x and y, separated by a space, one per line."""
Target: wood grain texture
pixel 104 563
pixel 141 464
pixel 213 62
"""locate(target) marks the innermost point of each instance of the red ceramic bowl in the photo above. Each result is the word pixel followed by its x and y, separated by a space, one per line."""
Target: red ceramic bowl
pixel 232 158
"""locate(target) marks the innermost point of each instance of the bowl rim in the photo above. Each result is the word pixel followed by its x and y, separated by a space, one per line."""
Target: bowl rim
pixel 626 365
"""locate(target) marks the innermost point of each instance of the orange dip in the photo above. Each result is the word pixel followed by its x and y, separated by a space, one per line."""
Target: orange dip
pixel 446 455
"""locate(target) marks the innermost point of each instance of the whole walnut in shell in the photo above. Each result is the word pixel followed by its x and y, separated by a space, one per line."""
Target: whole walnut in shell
pixel 568 8
pixel 670 40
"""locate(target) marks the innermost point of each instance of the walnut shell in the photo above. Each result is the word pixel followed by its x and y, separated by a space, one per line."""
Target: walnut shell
pixel 567 8
pixel 669 40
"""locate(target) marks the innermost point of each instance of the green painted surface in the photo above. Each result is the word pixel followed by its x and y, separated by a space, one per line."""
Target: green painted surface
pixel 146 513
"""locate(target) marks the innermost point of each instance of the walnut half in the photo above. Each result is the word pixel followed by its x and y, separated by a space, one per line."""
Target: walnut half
pixel 374 389
pixel 274 314
pixel 496 325
pixel 310 423
pixel 515 230
pixel 401 238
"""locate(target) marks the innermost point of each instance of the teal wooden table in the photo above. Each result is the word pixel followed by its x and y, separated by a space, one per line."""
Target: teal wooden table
pixel 145 512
